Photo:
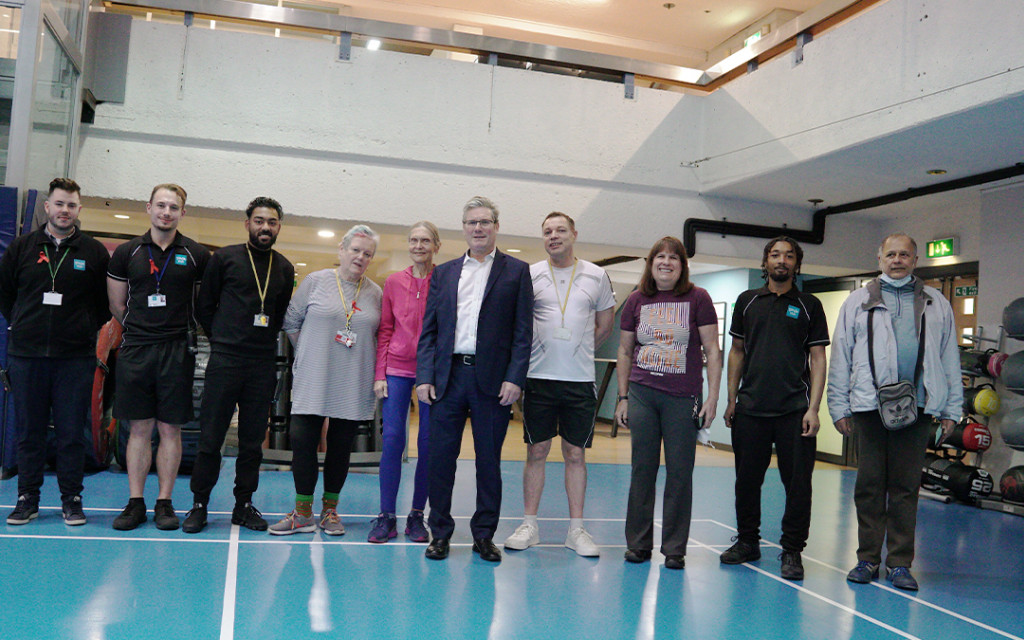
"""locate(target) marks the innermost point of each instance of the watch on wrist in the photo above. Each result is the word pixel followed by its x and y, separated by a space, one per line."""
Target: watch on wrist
pixel 621 398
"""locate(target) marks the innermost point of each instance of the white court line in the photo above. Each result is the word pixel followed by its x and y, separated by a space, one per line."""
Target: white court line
pixel 838 605
pixel 227 618
pixel 892 590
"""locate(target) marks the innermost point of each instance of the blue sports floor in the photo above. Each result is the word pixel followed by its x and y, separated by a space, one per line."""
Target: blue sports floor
pixel 92 582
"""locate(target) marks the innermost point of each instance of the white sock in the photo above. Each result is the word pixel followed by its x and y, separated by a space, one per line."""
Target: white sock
pixel 575 523
pixel 531 520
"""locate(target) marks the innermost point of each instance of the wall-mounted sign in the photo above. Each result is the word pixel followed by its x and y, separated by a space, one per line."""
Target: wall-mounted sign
pixel 943 247
pixel 965 291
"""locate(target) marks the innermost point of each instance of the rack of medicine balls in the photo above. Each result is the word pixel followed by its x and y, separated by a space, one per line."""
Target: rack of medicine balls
pixel 953 467
pixel 366 448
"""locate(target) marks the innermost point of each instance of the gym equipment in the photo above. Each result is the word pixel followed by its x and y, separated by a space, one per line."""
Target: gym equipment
pixel 103 424
pixel 1013 373
pixel 1012 428
pixel 965 482
pixel 981 400
pixel 968 435
pixel 1011 485
pixel 982 363
pixel 1013 319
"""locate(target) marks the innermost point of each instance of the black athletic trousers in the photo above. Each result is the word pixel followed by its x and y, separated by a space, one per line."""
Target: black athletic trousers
pixel 248 383
pixel 304 434
pixel 752 439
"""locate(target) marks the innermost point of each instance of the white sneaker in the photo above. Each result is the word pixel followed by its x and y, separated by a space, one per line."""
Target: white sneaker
pixel 580 541
pixel 524 537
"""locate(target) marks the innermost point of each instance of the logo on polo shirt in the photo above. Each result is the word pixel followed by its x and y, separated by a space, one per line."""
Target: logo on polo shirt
pixel 180 260
pixel 793 312
pixel 79 265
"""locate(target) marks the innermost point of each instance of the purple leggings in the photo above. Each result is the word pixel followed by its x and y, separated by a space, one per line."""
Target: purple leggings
pixel 395 415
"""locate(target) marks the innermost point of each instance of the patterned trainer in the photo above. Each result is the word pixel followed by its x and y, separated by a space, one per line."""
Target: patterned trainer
pixel 384 528
pixel 293 523
pixel 415 528
pixel 331 523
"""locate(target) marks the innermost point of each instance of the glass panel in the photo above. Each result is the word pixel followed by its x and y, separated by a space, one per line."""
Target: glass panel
pixel 10 20
pixel 52 110
pixel 70 12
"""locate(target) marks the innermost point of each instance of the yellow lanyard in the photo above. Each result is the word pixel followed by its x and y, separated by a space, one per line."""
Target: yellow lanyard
pixel 266 285
pixel 562 306
pixel 344 305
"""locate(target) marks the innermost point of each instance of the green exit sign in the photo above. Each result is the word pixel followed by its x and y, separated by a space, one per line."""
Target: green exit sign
pixel 943 247
pixel 966 291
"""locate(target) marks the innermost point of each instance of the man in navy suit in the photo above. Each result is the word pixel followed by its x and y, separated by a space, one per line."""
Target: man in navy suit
pixel 473 355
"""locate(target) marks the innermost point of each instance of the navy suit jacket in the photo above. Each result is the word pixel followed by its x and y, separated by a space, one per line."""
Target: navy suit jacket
pixel 504 330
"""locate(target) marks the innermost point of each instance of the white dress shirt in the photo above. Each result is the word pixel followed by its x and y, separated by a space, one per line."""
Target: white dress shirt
pixel 472 283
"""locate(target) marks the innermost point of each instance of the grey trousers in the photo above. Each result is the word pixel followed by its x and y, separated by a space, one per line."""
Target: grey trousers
pixel 888 481
pixel 655 416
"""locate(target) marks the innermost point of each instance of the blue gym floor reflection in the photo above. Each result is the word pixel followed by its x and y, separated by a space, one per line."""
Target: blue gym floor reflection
pixel 93 583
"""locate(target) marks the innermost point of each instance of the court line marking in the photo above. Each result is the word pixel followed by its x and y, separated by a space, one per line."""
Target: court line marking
pixel 884 587
pixel 818 596
pixel 227 618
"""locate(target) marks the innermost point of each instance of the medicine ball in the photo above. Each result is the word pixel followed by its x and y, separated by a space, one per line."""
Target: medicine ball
pixel 965 482
pixel 1011 485
pixel 982 363
pixel 968 435
pixel 1013 319
pixel 981 400
pixel 1012 428
pixel 1013 373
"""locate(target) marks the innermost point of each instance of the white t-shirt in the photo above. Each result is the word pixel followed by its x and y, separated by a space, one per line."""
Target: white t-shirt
pixel 551 357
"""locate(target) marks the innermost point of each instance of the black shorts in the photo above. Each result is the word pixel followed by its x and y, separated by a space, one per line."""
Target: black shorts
pixel 155 381
pixel 554 407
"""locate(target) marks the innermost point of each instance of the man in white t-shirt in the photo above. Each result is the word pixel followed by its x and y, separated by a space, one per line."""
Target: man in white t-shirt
pixel 573 311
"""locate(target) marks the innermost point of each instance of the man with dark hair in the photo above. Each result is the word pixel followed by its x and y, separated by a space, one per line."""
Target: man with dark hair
pixel 151 283
pixel 53 293
pixel 242 302
pixel 776 380
pixel 472 359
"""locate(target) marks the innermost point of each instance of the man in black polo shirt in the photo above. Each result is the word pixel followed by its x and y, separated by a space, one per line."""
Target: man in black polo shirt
pixel 151 284
pixel 245 293
pixel 53 293
pixel 776 380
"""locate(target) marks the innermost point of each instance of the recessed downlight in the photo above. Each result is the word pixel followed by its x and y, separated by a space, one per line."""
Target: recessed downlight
pixel 325 233
pixel 936 172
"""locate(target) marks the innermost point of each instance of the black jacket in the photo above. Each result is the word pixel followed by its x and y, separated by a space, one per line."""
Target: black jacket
pixel 39 330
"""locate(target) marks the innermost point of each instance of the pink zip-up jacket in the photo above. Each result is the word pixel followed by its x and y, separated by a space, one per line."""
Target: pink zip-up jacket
pixel 401 320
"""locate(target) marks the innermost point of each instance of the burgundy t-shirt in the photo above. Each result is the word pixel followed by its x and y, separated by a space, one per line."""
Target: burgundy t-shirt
pixel 667 354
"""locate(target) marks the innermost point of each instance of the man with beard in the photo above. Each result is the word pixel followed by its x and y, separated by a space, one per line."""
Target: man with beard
pixel 241 306
pixel 776 380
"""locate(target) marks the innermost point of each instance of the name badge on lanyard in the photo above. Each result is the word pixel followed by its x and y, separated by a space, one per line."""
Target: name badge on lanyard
pixel 562 333
pixel 261 320
pixel 157 300
pixel 346 337
pixel 52 298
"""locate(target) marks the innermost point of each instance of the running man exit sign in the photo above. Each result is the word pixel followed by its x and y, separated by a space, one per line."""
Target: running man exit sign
pixel 943 247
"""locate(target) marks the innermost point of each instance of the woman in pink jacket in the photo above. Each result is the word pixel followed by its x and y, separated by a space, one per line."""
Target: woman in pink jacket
pixel 405 297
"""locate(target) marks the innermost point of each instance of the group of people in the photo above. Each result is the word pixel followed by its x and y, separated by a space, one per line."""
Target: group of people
pixel 469 338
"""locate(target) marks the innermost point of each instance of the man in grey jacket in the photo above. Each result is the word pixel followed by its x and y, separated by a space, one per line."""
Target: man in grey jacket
pixel 889 473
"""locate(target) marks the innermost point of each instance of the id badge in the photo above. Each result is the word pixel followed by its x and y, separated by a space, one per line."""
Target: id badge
pixel 157 300
pixel 562 333
pixel 53 298
pixel 261 320
pixel 346 337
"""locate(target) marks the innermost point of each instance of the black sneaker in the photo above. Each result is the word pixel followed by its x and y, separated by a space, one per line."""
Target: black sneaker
pixel 25 511
pixel 133 515
pixel 792 565
pixel 73 514
pixel 195 520
pixel 249 517
pixel 164 516
pixel 741 552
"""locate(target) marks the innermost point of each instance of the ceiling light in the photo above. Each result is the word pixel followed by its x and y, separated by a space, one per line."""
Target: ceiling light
pixel 121 216
pixel 936 172
pixel 514 250
pixel 300 264
pixel 324 233
pixel 373 44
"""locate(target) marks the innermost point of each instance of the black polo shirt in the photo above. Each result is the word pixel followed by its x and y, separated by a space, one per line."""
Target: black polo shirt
pixel 138 262
pixel 777 332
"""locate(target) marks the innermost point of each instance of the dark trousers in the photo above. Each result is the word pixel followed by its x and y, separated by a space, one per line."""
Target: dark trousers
pixel 489 422
pixel 752 439
pixel 888 481
pixel 231 381
pixel 304 435
pixel 656 417
pixel 51 387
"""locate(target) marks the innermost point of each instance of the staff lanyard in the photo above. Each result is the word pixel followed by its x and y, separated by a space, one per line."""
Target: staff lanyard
pixel 54 270
pixel 152 265
pixel 266 285
pixel 562 306
pixel 344 305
